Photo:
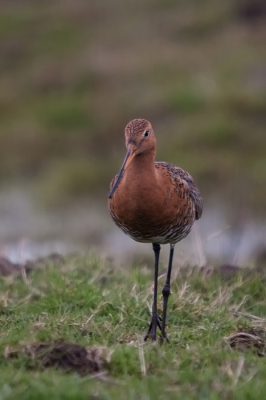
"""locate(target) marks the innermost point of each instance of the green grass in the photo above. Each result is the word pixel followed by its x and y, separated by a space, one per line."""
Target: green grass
pixel 92 303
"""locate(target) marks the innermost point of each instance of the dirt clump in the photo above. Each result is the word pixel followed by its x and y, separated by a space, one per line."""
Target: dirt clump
pixel 7 267
pixel 59 354
pixel 246 339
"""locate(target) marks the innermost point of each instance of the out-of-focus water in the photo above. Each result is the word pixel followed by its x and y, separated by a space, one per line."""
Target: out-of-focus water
pixel 27 232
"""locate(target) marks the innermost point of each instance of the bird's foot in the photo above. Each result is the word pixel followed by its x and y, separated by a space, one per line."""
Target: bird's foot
pixel 151 333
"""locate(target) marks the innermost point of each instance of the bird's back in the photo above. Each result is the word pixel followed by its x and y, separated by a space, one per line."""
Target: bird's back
pixel 179 179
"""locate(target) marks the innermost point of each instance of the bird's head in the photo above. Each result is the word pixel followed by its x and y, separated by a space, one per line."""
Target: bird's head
pixel 139 136
pixel 139 139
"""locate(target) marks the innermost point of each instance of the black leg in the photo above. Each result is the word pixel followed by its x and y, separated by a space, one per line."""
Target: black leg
pixel 155 318
pixel 166 289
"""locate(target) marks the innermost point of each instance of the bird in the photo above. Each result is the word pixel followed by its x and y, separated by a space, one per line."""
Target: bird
pixel 153 202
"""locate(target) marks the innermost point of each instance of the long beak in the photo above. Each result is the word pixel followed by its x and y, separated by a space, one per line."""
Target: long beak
pixel 129 157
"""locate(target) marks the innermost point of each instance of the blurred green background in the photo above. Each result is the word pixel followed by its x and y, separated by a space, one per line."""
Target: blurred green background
pixel 74 73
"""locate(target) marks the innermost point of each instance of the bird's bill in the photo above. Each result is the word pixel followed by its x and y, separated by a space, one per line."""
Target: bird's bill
pixel 131 151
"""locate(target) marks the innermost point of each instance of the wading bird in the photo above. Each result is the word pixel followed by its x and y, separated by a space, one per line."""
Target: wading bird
pixel 153 202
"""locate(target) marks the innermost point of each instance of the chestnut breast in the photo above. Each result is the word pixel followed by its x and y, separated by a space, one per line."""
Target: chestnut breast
pixel 151 201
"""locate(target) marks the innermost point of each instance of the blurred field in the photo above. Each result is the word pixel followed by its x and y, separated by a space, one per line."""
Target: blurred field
pixel 74 73
pixel 86 301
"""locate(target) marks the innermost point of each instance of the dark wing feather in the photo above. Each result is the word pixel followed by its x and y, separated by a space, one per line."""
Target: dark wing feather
pixel 194 192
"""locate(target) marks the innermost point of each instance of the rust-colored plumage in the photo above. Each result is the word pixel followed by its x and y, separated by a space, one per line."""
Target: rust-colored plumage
pixel 153 202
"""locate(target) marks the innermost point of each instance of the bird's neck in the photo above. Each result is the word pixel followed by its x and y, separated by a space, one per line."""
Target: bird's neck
pixel 143 163
pixel 141 174
pixel 140 182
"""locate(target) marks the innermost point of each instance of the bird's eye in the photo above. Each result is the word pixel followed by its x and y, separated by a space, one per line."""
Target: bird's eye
pixel 146 133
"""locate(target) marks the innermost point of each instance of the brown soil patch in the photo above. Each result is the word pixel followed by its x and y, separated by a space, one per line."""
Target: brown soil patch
pixel 9 268
pixel 245 339
pixel 63 355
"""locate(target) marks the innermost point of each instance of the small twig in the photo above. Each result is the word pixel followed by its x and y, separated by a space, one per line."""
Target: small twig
pixel 141 358
pixel 216 233
pixel 235 308
pixel 102 376
pixel 239 369
pixel 241 334
pixel 149 305
pixel 248 315
pixel 199 246
pixel 96 311
pixel 161 276
pixel 27 283
pixel 182 290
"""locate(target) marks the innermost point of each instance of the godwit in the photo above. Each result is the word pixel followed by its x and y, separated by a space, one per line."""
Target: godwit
pixel 153 202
